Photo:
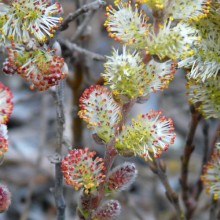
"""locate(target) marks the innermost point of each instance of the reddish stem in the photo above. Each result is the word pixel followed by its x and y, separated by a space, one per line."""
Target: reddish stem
pixel 110 155
pixel 188 149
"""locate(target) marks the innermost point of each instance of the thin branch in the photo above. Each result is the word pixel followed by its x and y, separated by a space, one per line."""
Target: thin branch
pixel 58 189
pixel 188 149
pixel 85 8
pixel 158 167
pixel 199 187
pixel 75 48
pixel 82 26
pixel 213 209
pixel 127 201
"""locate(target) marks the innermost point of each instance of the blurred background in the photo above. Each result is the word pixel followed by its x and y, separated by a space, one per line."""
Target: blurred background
pixel 28 169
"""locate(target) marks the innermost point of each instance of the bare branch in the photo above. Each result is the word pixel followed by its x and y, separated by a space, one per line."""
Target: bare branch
pixel 58 189
pixel 75 48
pixel 158 167
pixel 85 8
pixel 199 187
pixel 213 209
pixel 82 26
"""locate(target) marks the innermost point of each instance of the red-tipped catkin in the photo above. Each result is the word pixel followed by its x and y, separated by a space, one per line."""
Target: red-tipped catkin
pixel 82 170
pixel 6 104
pixel 122 176
pixel 108 211
pixel 5 198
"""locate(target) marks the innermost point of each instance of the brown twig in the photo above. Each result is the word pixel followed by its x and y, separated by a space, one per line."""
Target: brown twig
pixel 85 8
pixel 128 202
pixel 80 29
pixel 188 149
pixel 75 48
pixel 75 85
pixel 158 167
pixel 199 187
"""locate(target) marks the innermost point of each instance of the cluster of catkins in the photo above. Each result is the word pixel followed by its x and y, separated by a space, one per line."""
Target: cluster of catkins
pixel 183 33
pixel 152 51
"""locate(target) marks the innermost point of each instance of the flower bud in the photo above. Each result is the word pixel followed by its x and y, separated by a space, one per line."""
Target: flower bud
pixel 108 211
pixel 122 176
pixel 88 201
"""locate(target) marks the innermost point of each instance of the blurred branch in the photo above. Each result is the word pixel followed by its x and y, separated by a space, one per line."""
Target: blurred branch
pixel 188 149
pixel 75 48
pixel 85 8
pixel 218 215
pixel 83 25
pixel 58 189
pixel 127 201
pixel 213 209
pixel 199 187
pixel 7 2
pixel 158 167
